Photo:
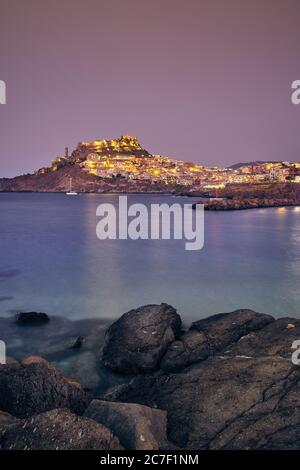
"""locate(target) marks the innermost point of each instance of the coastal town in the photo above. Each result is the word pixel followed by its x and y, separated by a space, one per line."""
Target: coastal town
pixel 124 158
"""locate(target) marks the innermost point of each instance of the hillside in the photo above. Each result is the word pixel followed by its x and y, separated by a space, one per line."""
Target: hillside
pixel 58 181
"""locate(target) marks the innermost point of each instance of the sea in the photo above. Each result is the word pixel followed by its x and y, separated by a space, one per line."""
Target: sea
pixel 52 261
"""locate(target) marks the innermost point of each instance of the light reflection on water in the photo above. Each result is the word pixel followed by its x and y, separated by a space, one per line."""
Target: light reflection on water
pixel 51 260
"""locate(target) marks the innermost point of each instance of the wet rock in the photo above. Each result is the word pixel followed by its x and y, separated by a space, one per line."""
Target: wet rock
pixel 138 340
pixel 58 429
pixel 138 427
pixel 32 318
pixel 35 387
pixel 211 336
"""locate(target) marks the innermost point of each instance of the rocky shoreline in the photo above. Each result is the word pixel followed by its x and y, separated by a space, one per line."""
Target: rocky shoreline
pixel 246 203
pixel 227 382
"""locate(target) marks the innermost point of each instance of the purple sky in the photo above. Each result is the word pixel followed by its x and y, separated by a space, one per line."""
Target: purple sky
pixel 202 80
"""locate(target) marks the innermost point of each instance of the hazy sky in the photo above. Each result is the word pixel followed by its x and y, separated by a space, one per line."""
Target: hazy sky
pixel 201 80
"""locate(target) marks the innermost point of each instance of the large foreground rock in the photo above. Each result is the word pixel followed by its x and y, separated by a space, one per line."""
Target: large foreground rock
pixel 57 430
pixel 244 395
pixel 233 403
pixel 35 386
pixel 138 340
pixel 138 427
pixel 211 336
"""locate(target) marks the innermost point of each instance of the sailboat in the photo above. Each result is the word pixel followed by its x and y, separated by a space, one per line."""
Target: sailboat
pixel 71 192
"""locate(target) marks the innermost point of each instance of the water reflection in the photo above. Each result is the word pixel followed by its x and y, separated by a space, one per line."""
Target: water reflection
pixel 51 260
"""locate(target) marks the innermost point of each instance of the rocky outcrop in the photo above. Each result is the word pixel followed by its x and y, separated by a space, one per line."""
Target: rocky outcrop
pixel 138 340
pixel 35 386
pixel 211 404
pixel 238 203
pixel 226 383
pixel 57 430
pixel 211 336
pixel 138 427
pixel 32 318
pixel 275 339
pixel 241 391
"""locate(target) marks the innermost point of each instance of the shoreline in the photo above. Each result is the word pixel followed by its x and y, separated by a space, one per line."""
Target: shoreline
pixel 166 373
pixel 210 203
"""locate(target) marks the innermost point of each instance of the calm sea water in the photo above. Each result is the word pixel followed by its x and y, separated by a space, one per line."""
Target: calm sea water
pixel 51 261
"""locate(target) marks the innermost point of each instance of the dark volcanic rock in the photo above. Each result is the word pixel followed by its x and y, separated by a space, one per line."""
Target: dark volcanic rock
pixel 245 395
pixel 225 403
pixel 32 318
pixel 275 339
pixel 226 328
pixel 138 427
pixel 192 347
pixel 57 430
pixel 212 335
pixel 35 386
pixel 138 340
pixel 7 420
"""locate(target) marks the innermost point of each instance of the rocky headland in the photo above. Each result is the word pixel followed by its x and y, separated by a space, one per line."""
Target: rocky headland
pixel 240 203
pixel 227 382
pixel 246 196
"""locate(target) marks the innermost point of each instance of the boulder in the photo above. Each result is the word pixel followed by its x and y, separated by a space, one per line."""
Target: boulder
pixel 36 386
pixel 32 318
pixel 138 340
pixel 228 383
pixel 58 429
pixel 211 336
pixel 138 427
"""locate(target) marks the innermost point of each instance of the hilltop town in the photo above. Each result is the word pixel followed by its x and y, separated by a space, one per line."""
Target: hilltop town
pixel 122 165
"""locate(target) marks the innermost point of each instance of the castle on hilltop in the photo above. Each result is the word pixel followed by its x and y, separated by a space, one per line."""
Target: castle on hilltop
pixel 125 145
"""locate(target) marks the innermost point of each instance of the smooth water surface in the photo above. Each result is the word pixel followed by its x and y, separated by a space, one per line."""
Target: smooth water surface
pixel 52 261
